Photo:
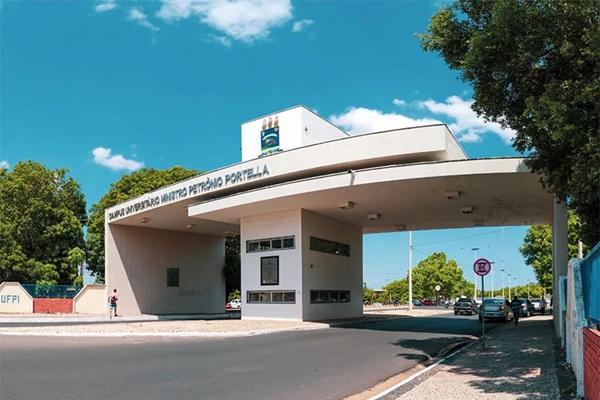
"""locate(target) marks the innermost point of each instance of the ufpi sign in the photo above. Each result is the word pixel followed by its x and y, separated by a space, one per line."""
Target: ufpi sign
pixel 10 299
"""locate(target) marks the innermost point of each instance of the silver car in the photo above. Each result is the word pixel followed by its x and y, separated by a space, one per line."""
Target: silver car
pixel 495 309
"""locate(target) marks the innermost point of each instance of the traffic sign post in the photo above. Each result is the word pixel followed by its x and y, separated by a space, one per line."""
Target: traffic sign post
pixel 482 267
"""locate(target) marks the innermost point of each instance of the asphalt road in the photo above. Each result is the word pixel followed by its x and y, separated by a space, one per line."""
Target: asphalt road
pixel 322 364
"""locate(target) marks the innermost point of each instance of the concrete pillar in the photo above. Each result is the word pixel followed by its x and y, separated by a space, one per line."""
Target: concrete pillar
pixel 560 258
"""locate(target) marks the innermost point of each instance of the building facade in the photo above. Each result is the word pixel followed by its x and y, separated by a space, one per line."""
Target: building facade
pixel 301 199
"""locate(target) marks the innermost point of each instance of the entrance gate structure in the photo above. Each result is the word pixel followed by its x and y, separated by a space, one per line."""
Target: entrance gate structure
pixel 301 199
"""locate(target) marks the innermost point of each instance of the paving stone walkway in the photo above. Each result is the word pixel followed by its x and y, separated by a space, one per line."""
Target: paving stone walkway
pixel 517 363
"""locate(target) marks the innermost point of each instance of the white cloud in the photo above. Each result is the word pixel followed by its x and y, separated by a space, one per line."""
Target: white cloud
pixel 245 20
pixel 300 25
pixel 105 6
pixel 362 120
pixel 137 15
pixel 399 102
pixel 461 119
pixel 467 126
pixel 4 164
pixel 103 156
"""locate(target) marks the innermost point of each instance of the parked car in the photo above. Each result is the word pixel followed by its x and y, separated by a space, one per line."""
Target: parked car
pixel 527 309
pixel 427 302
pixel 234 305
pixel 417 303
pixel 537 305
pixel 465 306
pixel 495 309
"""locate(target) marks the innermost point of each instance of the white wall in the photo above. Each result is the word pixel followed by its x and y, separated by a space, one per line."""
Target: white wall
pixel 297 127
pixel 265 226
pixel 15 299
pixel 92 299
pixel 316 129
pixel 136 265
pixel 290 126
pixel 324 271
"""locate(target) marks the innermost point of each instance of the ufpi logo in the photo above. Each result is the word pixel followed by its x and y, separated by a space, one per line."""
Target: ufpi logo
pixel 9 299
pixel 269 136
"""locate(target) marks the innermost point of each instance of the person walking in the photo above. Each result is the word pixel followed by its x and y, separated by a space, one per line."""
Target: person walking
pixel 543 305
pixel 113 299
pixel 516 307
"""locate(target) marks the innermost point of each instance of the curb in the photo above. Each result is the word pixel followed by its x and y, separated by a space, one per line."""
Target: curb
pixel 411 378
pixel 165 334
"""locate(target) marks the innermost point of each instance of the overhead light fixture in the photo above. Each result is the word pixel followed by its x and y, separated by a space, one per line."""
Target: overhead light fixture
pixel 373 216
pixel 144 220
pixel 400 227
pixel 227 233
pixel 189 227
pixel 452 195
pixel 346 205
pixel 467 210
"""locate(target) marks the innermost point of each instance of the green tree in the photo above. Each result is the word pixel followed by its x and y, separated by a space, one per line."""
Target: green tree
pixel 537 249
pixel 126 188
pixel 76 258
pixel 232 269
pixel 434 270
pixel 535 67
pixel 42 213
pixel 368 294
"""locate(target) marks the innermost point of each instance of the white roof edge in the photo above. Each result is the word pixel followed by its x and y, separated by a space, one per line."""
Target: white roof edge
pixel 519 160
pixel 274 155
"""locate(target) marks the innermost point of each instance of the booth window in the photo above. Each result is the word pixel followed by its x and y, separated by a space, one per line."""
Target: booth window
pixel 329 296
pixel 271 244
pixel 330 247
pixel 172 277
pixel 269 270
pixel 271 297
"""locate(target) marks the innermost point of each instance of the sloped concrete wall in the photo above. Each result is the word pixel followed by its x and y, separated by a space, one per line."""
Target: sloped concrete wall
pixel 15 299
pixel 92 299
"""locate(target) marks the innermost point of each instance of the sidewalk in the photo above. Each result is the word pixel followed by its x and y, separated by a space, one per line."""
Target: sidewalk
pixel 518 363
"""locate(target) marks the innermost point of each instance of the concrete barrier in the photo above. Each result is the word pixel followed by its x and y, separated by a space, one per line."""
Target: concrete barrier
pixel 14 299
pixel 90 300
pixel 575 322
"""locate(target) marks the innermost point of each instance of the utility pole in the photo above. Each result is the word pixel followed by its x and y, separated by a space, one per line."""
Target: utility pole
pixel 410 249
pixel 474 275
pixel 509 295
pixel 502 270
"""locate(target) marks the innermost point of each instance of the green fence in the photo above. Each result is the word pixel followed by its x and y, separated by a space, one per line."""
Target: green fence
pixel 52 291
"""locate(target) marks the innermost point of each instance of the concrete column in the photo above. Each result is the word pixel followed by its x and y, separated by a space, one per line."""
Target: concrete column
pixel 560 258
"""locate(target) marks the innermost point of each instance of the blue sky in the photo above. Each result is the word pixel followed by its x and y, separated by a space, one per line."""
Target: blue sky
pixel 102 88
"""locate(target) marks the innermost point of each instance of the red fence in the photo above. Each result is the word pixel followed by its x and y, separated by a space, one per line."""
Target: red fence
pixel 591 361
pixel 53 306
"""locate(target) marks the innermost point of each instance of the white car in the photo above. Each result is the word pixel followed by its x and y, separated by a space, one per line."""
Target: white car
pixel 234 305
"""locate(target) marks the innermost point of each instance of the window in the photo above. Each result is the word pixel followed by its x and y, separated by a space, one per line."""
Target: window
pixel 172 277
pixel 269 270
pixel 271 297
pixel 327 246
pixel 281 243
pixel 329 296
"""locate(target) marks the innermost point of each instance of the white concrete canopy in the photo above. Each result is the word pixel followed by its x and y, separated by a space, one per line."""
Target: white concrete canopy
pixel 491 192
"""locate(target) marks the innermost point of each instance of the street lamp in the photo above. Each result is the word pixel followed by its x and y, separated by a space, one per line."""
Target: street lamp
pixel 509 279
pixel 410 249
pixel 474 249
pixel 502 270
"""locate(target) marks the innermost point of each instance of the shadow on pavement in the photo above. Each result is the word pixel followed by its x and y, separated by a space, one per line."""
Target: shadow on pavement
pixel 518 362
